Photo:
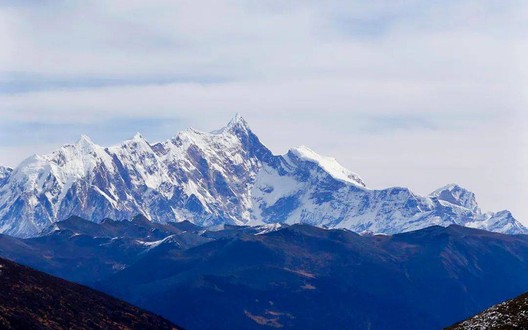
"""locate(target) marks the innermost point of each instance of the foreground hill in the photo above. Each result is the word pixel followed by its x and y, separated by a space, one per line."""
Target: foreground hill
pixel 511 314
pixel 30 299
pixel 227 176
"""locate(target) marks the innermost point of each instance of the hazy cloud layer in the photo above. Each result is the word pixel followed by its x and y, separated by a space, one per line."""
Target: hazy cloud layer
pixel 414 93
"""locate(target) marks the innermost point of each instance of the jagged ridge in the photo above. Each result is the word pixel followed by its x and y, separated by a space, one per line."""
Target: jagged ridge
pixel 226 176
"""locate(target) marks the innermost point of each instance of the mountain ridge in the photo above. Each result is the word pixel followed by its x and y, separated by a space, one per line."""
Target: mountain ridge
pixel 308 277
pixel 297 276
pixel 226 176
pixel 31 299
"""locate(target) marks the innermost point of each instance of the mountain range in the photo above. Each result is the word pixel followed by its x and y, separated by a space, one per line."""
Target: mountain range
pixel 224 177
pixel 277 275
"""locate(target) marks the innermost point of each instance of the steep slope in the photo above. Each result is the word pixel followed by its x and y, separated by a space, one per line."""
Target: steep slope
pixel 227 176
pixel 30 299
pixel 5 172
pixel 511 314
pixel 306 277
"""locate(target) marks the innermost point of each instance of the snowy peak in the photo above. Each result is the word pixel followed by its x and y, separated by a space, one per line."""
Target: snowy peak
pixel 328 164
pixel 78 160
pixel 237 125
pixel 457 195
pixel 237 122
pixel 138 137
pixel 137 141
pixel 502 221
pixel 84 143
pixel 84 139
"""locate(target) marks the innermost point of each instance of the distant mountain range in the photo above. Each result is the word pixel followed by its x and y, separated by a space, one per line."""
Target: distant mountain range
pixel 30 299
pixel 227 176
pixel 276 275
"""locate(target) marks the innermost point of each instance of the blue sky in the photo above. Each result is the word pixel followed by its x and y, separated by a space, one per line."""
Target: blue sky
pixel 409 93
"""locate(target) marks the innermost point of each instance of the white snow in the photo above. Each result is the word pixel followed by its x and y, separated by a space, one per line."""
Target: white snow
pixel 329 164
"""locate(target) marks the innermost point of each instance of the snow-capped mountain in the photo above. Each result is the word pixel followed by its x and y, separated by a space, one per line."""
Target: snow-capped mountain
pixel 226 176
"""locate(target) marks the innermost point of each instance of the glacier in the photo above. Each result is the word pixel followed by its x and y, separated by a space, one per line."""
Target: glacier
pixel 223 177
